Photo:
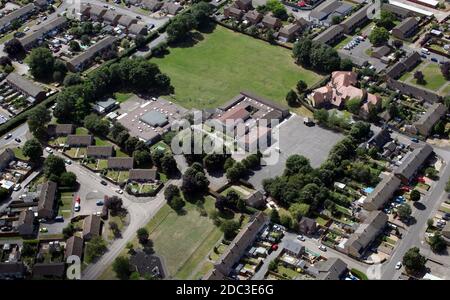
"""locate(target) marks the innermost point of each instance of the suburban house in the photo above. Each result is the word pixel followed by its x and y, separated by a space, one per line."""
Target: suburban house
pixel 47 201
pixel 84 59
pixel 171 8
pixel 330 269
pixel 244 4
pixel 433 114
pixel 407 28
pixel 74 246
pixel 49 270
pixel 403 66
pixel 238 247
pixel 93 12
pixel 111 17
pixel 289 32
pixel 143 175
pixel 271 22
pixel 341 88
pixel 382 193
pixel 60 129
pixel 413 162
pixel 398 11
pixel 99 151
pixel 138 29
pixel 79 140
pixel 152 5
pixel 12 270
pixel 127 21
pixel 26 87
pixel 293 248
pixel 366 233
pixel 331 35
pixel 307 226
pixel 25 224
pixel 120 163
pixel 356 20
pixel 381 52
pixel 233 12
pixel 412 91
pixel 91 227
pixel 20 14
pixel 256 199
pixel 6 157
pixel 50 28
pixel 380 139
pixel 253 17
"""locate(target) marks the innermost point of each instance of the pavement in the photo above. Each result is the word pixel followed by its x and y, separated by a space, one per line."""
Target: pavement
pixel 21 132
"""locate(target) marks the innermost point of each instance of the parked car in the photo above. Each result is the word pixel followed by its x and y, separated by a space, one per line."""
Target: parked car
pixel 43 229
pixel 119 191
pixel 59 219
pixel 103 182
pixel 18 140
pixel 138 17
pixel 446 217
pixel 301 238
pixel 398 265
pixel 434 59
pixel 99 203
pixel 323 248
pixel 77 207
pixel 415 140
pixel 8 136
pixel 49 150
pixel 17 187
pixel 68 162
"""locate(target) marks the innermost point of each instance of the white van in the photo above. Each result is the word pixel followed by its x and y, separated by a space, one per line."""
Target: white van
pixel 425 51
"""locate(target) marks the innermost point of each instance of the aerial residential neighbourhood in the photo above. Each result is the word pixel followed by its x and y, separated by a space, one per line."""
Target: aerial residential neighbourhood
pixel 225 140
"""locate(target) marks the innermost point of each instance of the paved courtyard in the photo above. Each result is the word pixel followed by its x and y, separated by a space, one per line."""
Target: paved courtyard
pixel 296 138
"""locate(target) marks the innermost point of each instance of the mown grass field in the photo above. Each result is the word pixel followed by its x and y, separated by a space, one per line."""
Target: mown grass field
pixel 434 80
pixel 221 65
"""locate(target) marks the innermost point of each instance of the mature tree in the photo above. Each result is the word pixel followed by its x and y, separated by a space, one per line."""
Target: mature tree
pixel 229 228
pixel 74 46
pixel 324 58
pixel 194 180
pixel 397 44
pixel 415 195
pixel 346 64
pixel 95 248
pixel 54 165
pixel 404 211
pixel 336 20
pixel 302 50
pixel 37 121
pixel 32 149
pixel 386 20
pixel 301 86
pixel 122 267
pixel 420 78
pixel 437 243
pixel 168 164
pixel 321 116
pixel 115 205
pixel 4 194
pixel 297 163
pixel 299 210
pixel 142 235
pixel 413 260
pixel 274 216
pixel 177 203
pixel 41 62
pixel 171 191
pixel 59 70
pixel 180 26
pixel 445 69
pixel 236 172
pixel 68 179
pixel 286 221
pixel 96 125
pixel 291 98
pixel 72 79
pixel 379 36
pixel 140 41
pixel 142 158
pixel 277 8
pixel 13 47
pixel 353 105
pixel 360 130
pixel 202 13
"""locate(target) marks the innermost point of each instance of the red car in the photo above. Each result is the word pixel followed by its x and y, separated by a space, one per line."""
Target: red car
pixel 275 247
pixel 78 200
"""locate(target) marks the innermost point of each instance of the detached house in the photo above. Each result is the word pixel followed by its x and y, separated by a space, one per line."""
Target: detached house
pixel 244 4
pixel 271 22
pixel 253 17
pixel 233 12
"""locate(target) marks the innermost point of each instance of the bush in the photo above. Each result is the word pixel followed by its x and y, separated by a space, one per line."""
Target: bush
pixel 357 273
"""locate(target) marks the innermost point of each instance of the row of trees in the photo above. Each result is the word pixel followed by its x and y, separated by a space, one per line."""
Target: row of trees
pixel 316 55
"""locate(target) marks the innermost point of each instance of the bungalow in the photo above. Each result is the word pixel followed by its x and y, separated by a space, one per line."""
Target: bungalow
pixel 20 14
pixel 47 201
pixel 331 269
pixel 233 12
pixel 407 28
pixel 50 28
pixel 307 226
pixel 331 35
pixel 79 140
pixel 99 151
pixel 413 162
pixel 271 22
pixel 238 247
pixel 366 233
pixel 138 29
pixel 60 129
pixel 152 5
pixel 253 17
pixel 6 157
pixel 244 4
pixel 433 114
pixel 83 60
pixel 382 193
pixel 74 246
pixel 143 175
pixel 49 270
pixel 120 163
pixel 256 199
pixel 293 248
pixel 91 227
pixel 25 224
pixel 26 87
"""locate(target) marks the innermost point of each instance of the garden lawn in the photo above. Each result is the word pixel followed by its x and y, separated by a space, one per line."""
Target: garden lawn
pixel 65 206
pixel 19 154
pixel 122 97
pixel 434 80
pixel 216 69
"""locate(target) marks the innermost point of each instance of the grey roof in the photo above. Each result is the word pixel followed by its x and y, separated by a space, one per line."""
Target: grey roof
pixel 331 269
pixel 402 66
pixel 367 231
pixel 381 51
pixel 91 226
pixel 96 10
pixel 171 8
pixel 413 161
pixel 412 90
pixel 154 118
pixel 79 140
pixel 74 246
pixel 294 247
pixel 120 163
pixel 64 129
pixel 431 116
pixel 270 20
pixel 39 34
pixel 329 34
pixel 143 174
pixel 137 28
pixel 11 268
pixel 406 25
pixel 152 5
pixel 255 199
pixel 49 270
pixel 47 196
pixel 283 109
pixel 290 29
pixel 343 9
pixel 380 139
pixel 6 157
pixel 127 21
pixel 396 9
pixel 111 16
pixel 18 13
pixel 25 85
pixel 323 10
pixel 307 222
pixel 26 222
pixel 105 151
pixel 147 264
pixel 106 103
pixel 382 192
pixel 93 50
pixel 253 15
